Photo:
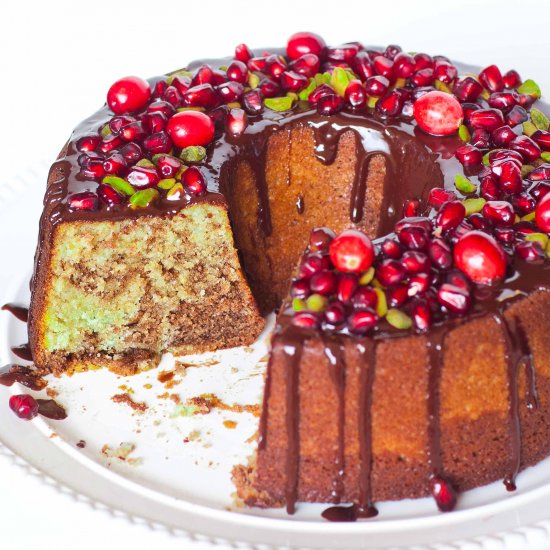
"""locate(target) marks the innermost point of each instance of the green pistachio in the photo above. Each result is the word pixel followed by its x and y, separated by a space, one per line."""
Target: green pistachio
pixel 367 277
pixel 473 205
pixel 322 78
pixel 298 304
pixel 548 249
pixel 528 217
pixel 175 193
pixel 166 183
pixel 145 163
pixel 371 102
pixel 143 198
pixel 181 72
pixel 485 94
pixel 316 303
pixel 193 153
pixel 526 169
pixel 304 94
pixel 545 156
pixel 119 184
pixel 539 119
pixel 529 128
pixel 464 185
pixel 485 159
pixel 398 319
pixel 339 81
pixel 381 303
pixel 253 80
pixel 464 133
pixel 182 109
pixel 105 131
pixel 541 238
pixel 530 87
pixel 442 87
pixel 278 103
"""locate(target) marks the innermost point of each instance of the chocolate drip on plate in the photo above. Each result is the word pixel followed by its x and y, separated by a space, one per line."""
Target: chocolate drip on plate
pixel 23 352
pixel 19 312
pixel 51 409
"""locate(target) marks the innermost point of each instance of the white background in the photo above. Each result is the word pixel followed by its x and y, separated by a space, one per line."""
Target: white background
pixel 57 60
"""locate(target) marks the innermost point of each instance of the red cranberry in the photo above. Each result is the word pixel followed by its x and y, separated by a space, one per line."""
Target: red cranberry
pixel 24 406
pixel 88 142
pixel 511 79
pixel 377 85
pixel 320 239
pixel 526 147
pixel 307 65
pixel 193 181
pixel 440 254
pixel 443 493
pixel 86 200
pixel 518 115
pixel 499 213
pixel 330 104
pixel 450 215
pixel 243 53
pixel 467 89
pixel 335 314
pixel 361 322
pixel 142 177
pixel 352 251
pixel 355 94
pixel 530 251
pixel 301 43
pixel 323 283
pixel 347 284
pixel 480 257
pixel 422 316
pixel 468 155
pixel 390 272
pixel 542 214
pixel 237 71
pixel 491 78
pixel 190 128
pixel 108 195
pixel 305 319
pixel 454 298
pixel 128 95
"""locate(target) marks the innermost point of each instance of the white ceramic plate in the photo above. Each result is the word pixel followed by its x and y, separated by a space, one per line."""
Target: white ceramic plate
pixel 181 478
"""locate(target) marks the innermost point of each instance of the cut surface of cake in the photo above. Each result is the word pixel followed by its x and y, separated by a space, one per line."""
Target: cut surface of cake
pixel 176 217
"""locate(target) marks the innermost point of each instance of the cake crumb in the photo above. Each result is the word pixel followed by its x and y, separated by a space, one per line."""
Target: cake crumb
pixel 147 386
pixel 127 400
pixel 125 388
pixel 81 444
pixel 121 453
pixel 52 393
pixel 204 403
pixel 193 436
pixel 164 395
pixel 230 424
pixel 165 376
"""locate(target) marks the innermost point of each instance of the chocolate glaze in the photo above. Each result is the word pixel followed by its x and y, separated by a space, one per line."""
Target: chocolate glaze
pixel 23 351
pixel 51 409
pixel 19 312
pixel 24 375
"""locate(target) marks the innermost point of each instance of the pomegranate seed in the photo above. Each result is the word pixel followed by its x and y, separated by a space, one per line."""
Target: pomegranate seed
pixel 275 65
pixel 542 214
pixel 133 131
pixel 128 95
pixel 413 238
pixel 468 109
pixel 523 203
pixel 419 222
pixel 526 147
pixel 439 253
pixel 499 212
pixel 419 283
pixel 488 119
pixel 307 65
pixel 391 249
pixel 391 104
pixel 411 208
pixel 518 115
pixel 109 143
pixel 445 72
pixel 181 83
pixel 335 314
pixel 202 95
pixel 320 239
pixel 154 122
pixel 383 66
pixel 193 181
pixel 270 88
pixel 542 139
pixel 505 154
pixel 457 278
pixel 157 143
pixel 464 227
pixel 88 142
pixel 468 155
pixel 404 65
pixel 238 71
pixel 530 251
pixel 503 136
pixel 190 128
pixel 415 262
pixel 305 319
pixel 511 79
pixel 352 251
pixel 243 53
pixel 422 316
pixel 377 85
pixel 491 78
pixel 347 284
pixel 203 75
pixel 311 264
pixel 479 222
pixel 329 104
pixel 480 138
pixel 455 299
pixel 257 64
pixel 159 89
pixel 293 81
pixel 115 163
pixel 302 43
pixel 490 188
pixel 168 166
pixel 540 189
pixel 392 51
pixel 467 89
pixel 397 296
pixel 540 173
pixel 443 493
pixel 390 272
pixel 253 102
pixel 362 66
pixel 108 195
pixel 480 257
pixel 344 52
pixel 503 100
pixel 423 61
pixel 355 94
pixel 131 152
pixel 323 283
pixel 361 322
pixel 86 200
pixel 161 107
pixel 438 196
pixel 364 298
pixel 438 113
pixel 424 77
pixel 450 215
pixel 173 96
pixel 300 289
pixel 229 92
pixel 524 228
pixel 142 177
pixel 24 406
pixel 237 121
pixel 504 234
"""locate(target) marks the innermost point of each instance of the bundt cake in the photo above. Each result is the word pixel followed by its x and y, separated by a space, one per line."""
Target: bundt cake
pixel 409 355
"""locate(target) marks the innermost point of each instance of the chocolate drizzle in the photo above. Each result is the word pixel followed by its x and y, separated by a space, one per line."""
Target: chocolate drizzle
pixel 23 375
pixel 23 352
pixel 19 312
pixel 51 409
